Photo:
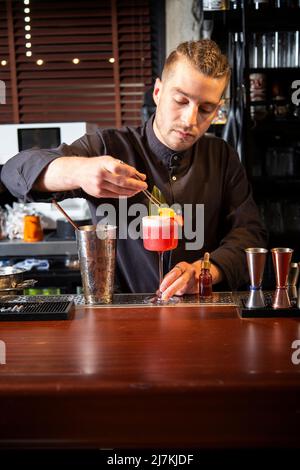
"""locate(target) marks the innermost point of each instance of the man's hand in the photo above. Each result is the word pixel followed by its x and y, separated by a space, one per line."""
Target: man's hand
pixel 184 279
pixel 108 177
pixel 98 176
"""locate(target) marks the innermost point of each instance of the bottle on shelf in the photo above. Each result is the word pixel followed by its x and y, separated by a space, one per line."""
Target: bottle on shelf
pixel 260 4
pixel 234 5
pixel 215 5
pixel 258 91
pixel 279 103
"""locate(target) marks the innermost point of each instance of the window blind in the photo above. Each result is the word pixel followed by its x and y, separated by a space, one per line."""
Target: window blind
pixel 6 109
pixel 95 60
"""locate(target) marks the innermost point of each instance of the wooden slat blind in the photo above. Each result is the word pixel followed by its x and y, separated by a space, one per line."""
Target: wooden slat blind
pixel 135 57
pixel 62 30
pixel 6 110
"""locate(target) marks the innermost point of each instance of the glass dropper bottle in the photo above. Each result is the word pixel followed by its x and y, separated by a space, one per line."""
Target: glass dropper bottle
pixel 205 278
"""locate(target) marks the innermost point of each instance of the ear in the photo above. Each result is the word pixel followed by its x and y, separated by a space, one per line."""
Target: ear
pixel 156 90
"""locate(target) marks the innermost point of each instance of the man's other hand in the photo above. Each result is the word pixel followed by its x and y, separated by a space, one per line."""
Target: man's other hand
pixel 184 279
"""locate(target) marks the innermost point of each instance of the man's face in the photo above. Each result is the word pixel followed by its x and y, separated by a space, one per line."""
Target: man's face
pixel 187 101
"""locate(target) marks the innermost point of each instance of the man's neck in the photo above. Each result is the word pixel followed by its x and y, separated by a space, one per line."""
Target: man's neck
pixel 157 133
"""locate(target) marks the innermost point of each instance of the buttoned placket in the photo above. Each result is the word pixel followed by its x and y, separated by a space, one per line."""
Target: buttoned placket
pixel 174 164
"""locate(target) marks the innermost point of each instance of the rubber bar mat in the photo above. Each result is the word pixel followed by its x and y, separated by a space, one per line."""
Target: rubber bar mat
pixel 12 311
pixel 144 300
pixel 267 311
pixel 133 300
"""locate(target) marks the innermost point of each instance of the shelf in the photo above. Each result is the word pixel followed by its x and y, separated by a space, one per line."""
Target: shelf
pixel 288 237
pixel 273 19
pixel 276 180
pixel 222 15
pixel 229 18
pixel 270 131
pixel 275 188
pixel 288 125
pixel 43 248
pixel 280 70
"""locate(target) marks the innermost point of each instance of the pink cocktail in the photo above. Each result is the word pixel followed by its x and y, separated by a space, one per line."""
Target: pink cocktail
pixel 160 233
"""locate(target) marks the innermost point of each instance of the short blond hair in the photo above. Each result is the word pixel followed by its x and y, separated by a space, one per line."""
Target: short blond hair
pixel 204 54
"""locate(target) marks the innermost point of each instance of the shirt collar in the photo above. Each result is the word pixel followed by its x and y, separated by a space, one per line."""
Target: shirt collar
pixel 160 151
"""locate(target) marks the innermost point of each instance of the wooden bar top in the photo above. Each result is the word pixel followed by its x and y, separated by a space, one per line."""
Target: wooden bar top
pixel 150 377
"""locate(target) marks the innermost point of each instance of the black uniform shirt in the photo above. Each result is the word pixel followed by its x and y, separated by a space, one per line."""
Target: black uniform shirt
pixel 208 173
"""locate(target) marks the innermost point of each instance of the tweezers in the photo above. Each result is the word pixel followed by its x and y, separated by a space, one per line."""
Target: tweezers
pixel 150 196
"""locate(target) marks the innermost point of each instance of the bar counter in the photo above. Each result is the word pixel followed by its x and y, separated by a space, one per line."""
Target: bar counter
pixel 150 377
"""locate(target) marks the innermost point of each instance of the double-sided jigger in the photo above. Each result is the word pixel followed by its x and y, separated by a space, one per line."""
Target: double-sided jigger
pixel 281 262
pixel 256 299
pixel 256 260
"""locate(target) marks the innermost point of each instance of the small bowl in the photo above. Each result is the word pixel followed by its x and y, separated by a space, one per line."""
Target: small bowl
pixel 10 277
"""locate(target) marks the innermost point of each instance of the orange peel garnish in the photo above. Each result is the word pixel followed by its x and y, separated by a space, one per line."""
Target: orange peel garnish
pixel 168 212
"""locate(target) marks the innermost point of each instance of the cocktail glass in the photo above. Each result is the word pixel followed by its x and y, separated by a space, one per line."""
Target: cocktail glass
pixel 160 234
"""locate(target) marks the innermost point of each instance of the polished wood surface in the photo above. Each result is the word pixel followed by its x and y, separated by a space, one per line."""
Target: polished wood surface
pixel 150 377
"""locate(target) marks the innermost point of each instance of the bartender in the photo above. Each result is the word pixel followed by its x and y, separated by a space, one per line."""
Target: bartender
pixel 172 152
